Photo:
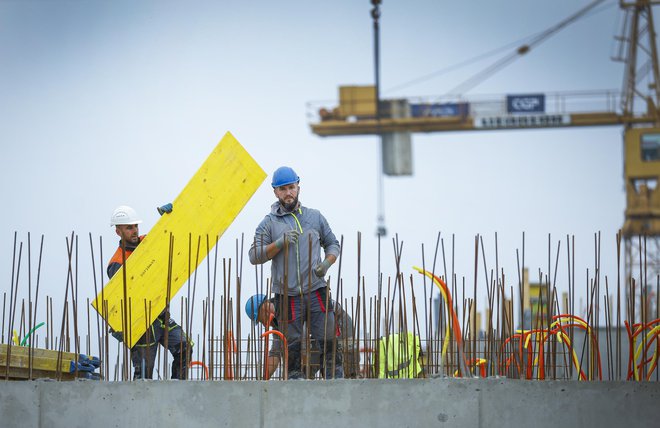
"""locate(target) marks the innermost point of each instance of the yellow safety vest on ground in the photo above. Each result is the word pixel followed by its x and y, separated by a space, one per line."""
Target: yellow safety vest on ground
pixel 398 356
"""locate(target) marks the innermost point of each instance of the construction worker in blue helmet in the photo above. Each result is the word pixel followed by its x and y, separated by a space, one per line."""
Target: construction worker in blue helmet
pixel 292 236
pixel 262 310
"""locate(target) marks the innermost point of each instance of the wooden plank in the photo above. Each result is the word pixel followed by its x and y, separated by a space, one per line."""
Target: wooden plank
pixel 203 211
pixel 18 373
pixel 38 363
pixel 37 352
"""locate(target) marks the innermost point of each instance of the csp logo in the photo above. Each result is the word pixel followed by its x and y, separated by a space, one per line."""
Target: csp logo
pixel 526 103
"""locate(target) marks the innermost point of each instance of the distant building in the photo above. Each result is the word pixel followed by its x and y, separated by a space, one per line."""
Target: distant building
pixel 535 303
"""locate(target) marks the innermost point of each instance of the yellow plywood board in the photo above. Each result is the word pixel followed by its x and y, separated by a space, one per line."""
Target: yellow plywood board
pixel 20 373
pixel 204 209
pixel 38 363
pixel 38 352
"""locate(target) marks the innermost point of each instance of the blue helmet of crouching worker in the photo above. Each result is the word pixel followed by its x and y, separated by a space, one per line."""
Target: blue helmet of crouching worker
pixel 284 175
pixel 252 306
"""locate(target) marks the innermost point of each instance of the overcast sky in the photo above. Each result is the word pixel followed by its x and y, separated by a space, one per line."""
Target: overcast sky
pixel 106 103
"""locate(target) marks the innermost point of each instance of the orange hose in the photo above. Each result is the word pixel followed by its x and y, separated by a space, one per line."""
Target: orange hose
pixel 478 362
pixel 633 367
pixel 455 324
pixel 229 351
pixel 199 363
pixel 268 323
pixel 286 352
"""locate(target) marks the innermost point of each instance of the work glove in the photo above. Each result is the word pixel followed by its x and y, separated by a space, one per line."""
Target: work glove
pixel 117 335
pixel 291 236
pixel 167 208
pixel 322 268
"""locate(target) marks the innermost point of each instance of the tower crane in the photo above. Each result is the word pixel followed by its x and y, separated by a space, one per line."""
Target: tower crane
pixel 361 111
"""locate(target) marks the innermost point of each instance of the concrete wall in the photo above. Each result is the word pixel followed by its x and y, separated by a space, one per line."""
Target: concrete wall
pixel 384 403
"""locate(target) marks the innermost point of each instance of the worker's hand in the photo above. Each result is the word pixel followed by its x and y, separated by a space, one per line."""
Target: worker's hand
pixel 117 335
pixel 291 236
pixel 322 268
pixel 167 208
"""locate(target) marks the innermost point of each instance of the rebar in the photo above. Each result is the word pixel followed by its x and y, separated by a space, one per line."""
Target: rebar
pixel 556 344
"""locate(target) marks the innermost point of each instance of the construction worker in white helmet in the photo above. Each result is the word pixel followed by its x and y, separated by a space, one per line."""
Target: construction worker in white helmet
pixel 292 236
pixel 143 354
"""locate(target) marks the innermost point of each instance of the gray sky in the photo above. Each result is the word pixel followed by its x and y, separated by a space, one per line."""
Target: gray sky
pixel 119 102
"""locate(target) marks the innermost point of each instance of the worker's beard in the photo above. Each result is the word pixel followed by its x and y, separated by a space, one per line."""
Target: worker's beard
pixel 290 206
pixel 131 241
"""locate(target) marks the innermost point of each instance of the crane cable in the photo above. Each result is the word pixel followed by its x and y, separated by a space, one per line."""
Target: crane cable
pixel 522 47
pixel 460 64
pixel 520 51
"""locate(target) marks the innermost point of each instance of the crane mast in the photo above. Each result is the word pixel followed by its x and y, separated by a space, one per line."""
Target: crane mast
pixel 641 92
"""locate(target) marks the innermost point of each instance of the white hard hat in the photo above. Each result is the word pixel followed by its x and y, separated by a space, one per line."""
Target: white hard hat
pixel 124 215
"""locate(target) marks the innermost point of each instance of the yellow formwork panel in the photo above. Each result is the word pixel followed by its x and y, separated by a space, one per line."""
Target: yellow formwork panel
pixel 203 211
pixel 37 352
pixel 64 365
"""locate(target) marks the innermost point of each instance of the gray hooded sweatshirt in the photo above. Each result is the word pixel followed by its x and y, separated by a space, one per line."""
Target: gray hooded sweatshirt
pixel 315 234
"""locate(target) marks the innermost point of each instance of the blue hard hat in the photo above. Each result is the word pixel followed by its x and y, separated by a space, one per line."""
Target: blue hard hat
pixel 252 306
pixel 284 175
